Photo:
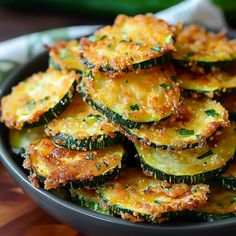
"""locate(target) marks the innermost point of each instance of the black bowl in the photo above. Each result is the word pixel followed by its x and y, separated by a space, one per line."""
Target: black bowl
pixel 85 221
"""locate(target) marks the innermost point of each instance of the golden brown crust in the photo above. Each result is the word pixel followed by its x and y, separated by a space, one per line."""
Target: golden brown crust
pixel 29 100
pixel 126 43
pixel 59 165
pixel 141 96
pixel 221 201
pixel 195 119
pixel 194 43
pixel 66 55
pixel 81 121
pixel 208 83
pixel 144 195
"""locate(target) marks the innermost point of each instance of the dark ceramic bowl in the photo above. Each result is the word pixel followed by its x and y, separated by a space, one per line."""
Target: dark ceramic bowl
pixel 86 221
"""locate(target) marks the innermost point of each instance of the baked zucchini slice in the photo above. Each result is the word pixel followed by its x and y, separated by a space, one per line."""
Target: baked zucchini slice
pixel 82 128
pixel 137 197
pixel 221 205
pixel 228 179
pixel 20 140
pixel 190 165
pixel 193 123
pixel 38 99
pixel 208 83
pixel 132 98
pixel 90 199
pixel 228 100
pixel 126 46
pixel 202 50
pixel 58 166
pixel 65 56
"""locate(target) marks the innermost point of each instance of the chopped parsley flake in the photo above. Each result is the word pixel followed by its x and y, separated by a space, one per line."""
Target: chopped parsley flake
pixel 89 157
pixel 206 154
pixel 90 75
pixel 233 200
pixel 159 202
pixel 156 49
pixel 186 131
pixel 211 112
pixel 166 86
pixel 31 105
pixel 98 166
pixel 103 37
pixel 134 107
pixel 169 39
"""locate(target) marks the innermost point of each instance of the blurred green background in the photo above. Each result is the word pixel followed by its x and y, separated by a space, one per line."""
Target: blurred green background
pixel 112 7
pixel 25 16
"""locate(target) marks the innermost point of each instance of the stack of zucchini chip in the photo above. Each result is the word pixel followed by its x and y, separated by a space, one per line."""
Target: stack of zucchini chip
pixel 168 89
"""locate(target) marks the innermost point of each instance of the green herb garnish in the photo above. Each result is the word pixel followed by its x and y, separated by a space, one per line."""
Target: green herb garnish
pixel 31 105
pixel 166 86
pixel 206 154
pixel 125 40
pixel 211 112
pixel 199 136
pixel 233 200
pixel 98 166
pixel 94 116
pixel 103 37
pixel 159 202
pixel 90 75
pixel 186 131
pixel 156 49
pixel 169 39
pixel 134 107
pixel 89 157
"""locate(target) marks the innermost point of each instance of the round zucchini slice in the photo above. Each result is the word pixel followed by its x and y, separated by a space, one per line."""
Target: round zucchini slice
pixel 65 55
pixel 228 100
pixel 194 122
pixel 228 179
pixel 38 99
pixel 59 166
pixel 20 140
pixel 82 128
pixel 190 165
pixel 208 83
pixel 126 46
pixel 132 98
pixel 90 199
pixel 137 197
pixel 221 205
pixel 202 50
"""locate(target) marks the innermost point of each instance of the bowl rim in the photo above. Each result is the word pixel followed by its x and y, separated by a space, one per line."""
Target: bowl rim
pixel 14 169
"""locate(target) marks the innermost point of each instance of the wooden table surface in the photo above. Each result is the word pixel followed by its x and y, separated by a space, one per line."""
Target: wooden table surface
pixel 19 215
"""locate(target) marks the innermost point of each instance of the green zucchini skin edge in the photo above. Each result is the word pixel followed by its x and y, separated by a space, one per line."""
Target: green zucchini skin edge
pixel 207 66
pixel 164 59
pixel 117 210
pixel 87 144
pixel 111 115
pixel 207 217
pixel 56 110
pixel 91 183
pixel 228 183
pixel 90 204
pixel 232 116
pixel 166 147
pixel 188 179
